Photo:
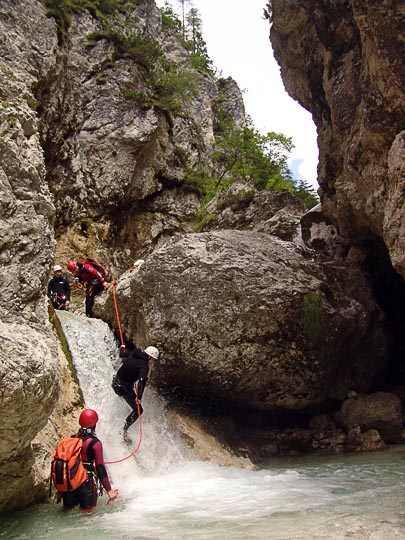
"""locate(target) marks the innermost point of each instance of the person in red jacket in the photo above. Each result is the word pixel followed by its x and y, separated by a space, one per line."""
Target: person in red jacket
pixel 95 283
pixel 92 457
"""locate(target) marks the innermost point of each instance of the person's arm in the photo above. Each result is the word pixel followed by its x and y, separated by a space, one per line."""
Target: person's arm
pixel 143 379
pixel 94 273
pixel 124 352
pixel 102 471
pixel 49 293
pixel 67 288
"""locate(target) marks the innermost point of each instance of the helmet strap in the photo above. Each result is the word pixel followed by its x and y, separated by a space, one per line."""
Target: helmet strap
pixel 86 431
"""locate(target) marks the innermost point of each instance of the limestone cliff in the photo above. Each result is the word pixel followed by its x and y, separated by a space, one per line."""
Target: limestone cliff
pixel 344 62
pixel 29 369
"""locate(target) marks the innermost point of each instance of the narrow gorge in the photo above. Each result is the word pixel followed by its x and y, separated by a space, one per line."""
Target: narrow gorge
pixel 280 323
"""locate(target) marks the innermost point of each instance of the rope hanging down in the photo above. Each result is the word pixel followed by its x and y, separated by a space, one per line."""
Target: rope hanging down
pixel 137 401
pixel 117 314
pixel 139 442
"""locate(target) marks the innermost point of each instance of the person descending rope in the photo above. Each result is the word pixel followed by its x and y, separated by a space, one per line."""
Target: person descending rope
pixel 135 367
pixel 92 458
pixel 85 272
pixel 59 289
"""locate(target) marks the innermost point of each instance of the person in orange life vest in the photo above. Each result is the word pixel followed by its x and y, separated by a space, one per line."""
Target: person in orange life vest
pixel 95 283
pixel 92 457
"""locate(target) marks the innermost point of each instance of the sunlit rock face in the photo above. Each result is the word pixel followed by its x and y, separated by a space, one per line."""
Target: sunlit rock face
pixel 29 369
pixel 344 62
pixel 243 207
pixel 116 166
pixel 243 319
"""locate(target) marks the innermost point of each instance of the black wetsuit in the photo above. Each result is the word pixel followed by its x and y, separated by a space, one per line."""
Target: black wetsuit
pixel 58 291
pixel 135 367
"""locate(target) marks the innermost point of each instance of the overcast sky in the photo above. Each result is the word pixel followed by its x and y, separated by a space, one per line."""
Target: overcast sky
pixel 237 38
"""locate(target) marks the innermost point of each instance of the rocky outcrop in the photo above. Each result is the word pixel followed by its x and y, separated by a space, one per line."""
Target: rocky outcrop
pixel 245 320
pixel 117 166
pixel 243 207
pixel 29 369
pixel 343 61
pixel 203 445
pixel 381 411
pixel 319 233
pixel 106 173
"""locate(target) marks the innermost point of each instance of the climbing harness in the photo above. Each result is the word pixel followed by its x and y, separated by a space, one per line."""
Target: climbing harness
pixel 79 283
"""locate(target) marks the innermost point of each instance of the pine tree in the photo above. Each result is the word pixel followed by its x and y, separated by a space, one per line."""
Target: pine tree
pixel 183 4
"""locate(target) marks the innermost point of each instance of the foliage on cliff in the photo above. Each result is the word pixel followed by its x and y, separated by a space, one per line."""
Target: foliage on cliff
pixel 61 10
pixel 244 154
pixel 240 153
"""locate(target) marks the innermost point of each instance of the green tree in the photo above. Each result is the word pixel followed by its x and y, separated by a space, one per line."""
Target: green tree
pixel 183 4
pixel 170 19
pixel 245 154
pixel 306 192
pixel 195 42
pixel 194 32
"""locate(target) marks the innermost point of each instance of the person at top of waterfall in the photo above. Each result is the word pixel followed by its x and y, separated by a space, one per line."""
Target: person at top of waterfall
pixel 92 457
pixel 86 273
pixel 59 289
pixel 134 369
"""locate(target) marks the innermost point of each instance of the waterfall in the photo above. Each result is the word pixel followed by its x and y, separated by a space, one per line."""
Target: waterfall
pixel 94 351
pixel 164 495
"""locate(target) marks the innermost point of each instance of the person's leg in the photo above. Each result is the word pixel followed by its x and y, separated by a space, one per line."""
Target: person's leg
pixel 137 410
pixel 133 417
pixel 117 386
pixel 88 495
pixel 89 302
pixel 93 290
pixel 70 499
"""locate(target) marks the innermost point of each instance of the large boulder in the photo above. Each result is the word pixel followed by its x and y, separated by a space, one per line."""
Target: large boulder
pixel 245 319
pixel 381 411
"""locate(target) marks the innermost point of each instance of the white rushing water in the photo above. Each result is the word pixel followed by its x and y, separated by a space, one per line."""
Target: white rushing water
pixel 166 496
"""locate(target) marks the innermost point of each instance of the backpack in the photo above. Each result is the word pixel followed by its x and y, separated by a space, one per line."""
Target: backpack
pixel 98 266
pixel 67 470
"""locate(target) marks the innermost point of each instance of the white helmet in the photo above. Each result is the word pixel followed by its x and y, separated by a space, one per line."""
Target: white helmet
pixel 57 268
pixel 152 351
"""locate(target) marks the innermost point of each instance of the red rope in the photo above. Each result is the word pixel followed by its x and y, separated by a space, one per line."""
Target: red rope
pixel 137 401
pixel 139 442
pixel 140 438
pixel 117 314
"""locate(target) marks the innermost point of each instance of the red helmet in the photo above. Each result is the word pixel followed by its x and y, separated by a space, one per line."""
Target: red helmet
pixel 88 418
pixel 71 266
